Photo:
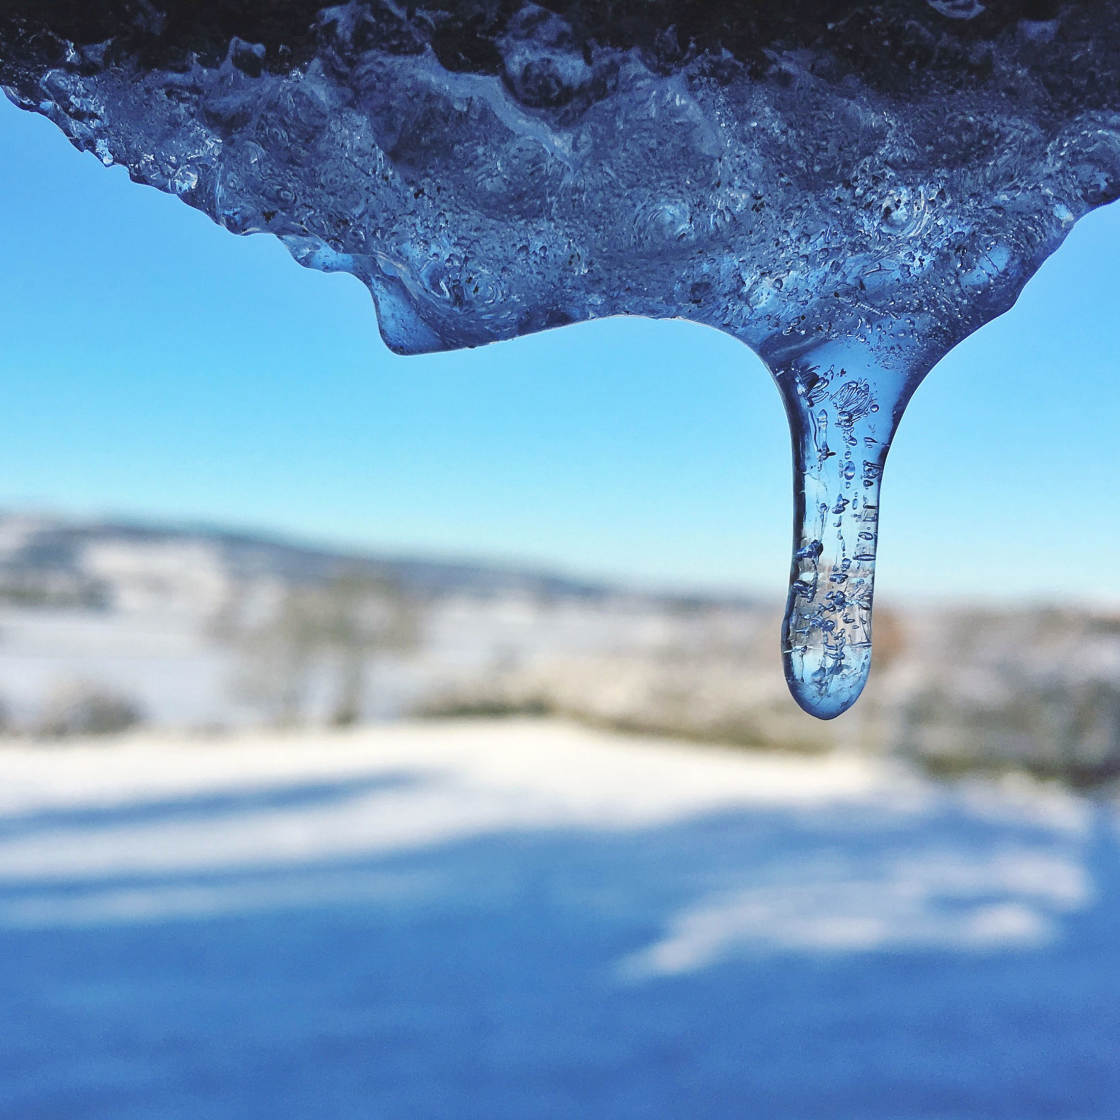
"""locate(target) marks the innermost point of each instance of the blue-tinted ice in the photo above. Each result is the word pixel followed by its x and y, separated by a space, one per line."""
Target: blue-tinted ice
pixel 848 189
pixel 843 414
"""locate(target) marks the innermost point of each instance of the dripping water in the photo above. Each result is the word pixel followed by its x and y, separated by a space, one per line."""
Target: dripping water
pixel 843 411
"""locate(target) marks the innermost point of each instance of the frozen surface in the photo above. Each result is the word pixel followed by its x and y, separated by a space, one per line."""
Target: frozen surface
pixel 523 919
pixel 850 190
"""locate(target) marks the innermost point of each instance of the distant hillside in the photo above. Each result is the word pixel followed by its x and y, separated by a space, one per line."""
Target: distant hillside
pixel 65 561
pixel 102 624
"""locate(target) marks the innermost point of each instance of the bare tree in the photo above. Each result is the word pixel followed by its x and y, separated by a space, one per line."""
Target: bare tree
pixel 335 629
pixel 86 708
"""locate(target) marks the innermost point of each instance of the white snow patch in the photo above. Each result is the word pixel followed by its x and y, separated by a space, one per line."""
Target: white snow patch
pixel 421 785
pixel 471 779
pixel 146 904
pixel 962 899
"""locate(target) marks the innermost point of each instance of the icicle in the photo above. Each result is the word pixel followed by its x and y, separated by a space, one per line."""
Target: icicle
pixel 843 413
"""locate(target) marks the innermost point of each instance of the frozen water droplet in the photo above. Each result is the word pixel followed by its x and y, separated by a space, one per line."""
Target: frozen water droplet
pixel 826 634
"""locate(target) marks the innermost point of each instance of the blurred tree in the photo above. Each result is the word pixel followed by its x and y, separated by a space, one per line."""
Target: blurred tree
pixel 85 708
pixel 329 631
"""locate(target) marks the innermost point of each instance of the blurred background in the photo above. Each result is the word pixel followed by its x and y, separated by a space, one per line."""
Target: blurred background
pixel 407 737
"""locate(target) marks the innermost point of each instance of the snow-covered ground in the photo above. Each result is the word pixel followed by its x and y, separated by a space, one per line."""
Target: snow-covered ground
pixel 123 809
pixel 527 918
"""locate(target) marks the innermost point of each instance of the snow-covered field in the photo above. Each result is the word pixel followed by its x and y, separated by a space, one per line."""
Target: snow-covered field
pixel 106 624
pixel 522 919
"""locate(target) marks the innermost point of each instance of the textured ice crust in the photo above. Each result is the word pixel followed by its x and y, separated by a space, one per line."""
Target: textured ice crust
pixel 489 169
pixel 850 189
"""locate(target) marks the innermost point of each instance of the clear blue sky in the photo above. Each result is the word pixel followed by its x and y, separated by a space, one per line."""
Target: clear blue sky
pixel 157 367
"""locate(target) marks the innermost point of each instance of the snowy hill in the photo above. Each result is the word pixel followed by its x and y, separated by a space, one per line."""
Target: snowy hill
pixel 102 624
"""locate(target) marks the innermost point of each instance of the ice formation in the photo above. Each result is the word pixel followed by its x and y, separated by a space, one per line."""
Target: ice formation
pixel 849 189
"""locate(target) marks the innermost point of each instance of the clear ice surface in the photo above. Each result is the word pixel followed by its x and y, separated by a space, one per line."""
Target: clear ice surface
pixel 850 189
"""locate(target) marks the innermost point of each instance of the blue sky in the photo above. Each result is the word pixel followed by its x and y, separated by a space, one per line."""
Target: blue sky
pixel 156 367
